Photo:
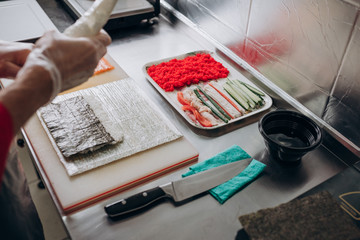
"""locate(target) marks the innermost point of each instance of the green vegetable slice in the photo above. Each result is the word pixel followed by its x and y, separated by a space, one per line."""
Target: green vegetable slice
pixel 254 90
pixel 256 98
pixel 211 108
pixel 238 98
pixel 214 103
pixel 241 90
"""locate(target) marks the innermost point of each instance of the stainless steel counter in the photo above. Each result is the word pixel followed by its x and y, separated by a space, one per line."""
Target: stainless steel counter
pixel 202 217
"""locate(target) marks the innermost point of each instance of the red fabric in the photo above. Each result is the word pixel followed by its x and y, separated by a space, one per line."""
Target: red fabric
pixel 6 135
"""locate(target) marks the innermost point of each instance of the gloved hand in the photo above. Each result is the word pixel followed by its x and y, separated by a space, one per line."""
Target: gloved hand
pixel 12 57
pixel 69 61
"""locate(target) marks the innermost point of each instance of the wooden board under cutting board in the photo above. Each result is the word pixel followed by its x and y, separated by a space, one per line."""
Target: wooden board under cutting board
pixel 82 190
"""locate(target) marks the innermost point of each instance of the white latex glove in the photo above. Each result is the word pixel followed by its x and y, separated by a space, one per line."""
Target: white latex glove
pixel 69 61
pixel 12 57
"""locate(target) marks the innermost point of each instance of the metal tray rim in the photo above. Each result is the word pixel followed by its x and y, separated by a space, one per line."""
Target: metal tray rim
pixel 170 99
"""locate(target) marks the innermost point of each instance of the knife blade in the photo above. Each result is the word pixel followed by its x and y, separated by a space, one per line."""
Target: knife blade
pixel 179 190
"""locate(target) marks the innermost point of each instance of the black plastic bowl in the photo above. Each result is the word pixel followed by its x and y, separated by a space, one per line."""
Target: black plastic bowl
pixel 289 135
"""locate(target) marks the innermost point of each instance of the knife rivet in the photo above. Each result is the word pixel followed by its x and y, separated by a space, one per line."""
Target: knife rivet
pixel 144 194
pixel 123 202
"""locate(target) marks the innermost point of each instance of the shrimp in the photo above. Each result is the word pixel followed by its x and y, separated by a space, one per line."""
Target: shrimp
pixel 205 111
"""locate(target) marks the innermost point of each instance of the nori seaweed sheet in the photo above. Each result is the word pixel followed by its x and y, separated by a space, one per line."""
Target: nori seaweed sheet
pixel 74 126
pixel 317 216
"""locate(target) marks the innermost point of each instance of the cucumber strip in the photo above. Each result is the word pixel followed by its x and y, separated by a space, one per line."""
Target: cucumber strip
pixel 254 90
pixel 214 103
pixel 255 98
pixel 242 93
pixel 238 94
pixel 237 107
pixel 211 108
pixel 239 99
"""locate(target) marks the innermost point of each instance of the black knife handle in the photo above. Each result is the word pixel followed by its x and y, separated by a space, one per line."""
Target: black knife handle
pixel 135 202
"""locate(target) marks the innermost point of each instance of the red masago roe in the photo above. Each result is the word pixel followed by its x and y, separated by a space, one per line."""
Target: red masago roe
pixel 176 73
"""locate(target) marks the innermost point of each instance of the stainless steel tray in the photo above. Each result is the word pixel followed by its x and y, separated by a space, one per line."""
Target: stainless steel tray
pixel 171 97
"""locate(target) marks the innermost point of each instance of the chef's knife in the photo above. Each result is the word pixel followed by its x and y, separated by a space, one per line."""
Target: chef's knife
pixel 178 190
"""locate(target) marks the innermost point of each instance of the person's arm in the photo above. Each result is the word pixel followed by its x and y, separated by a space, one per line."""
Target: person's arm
pixel 6 133
pixel 12 57
pixel 56 63
pixel 26 94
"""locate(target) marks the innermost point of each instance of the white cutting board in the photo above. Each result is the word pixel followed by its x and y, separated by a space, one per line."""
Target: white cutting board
pixel 23 20
pixel 79 191
pixel 84 189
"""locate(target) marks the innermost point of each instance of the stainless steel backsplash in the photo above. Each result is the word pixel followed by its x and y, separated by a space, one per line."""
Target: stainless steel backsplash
pixel 308 49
